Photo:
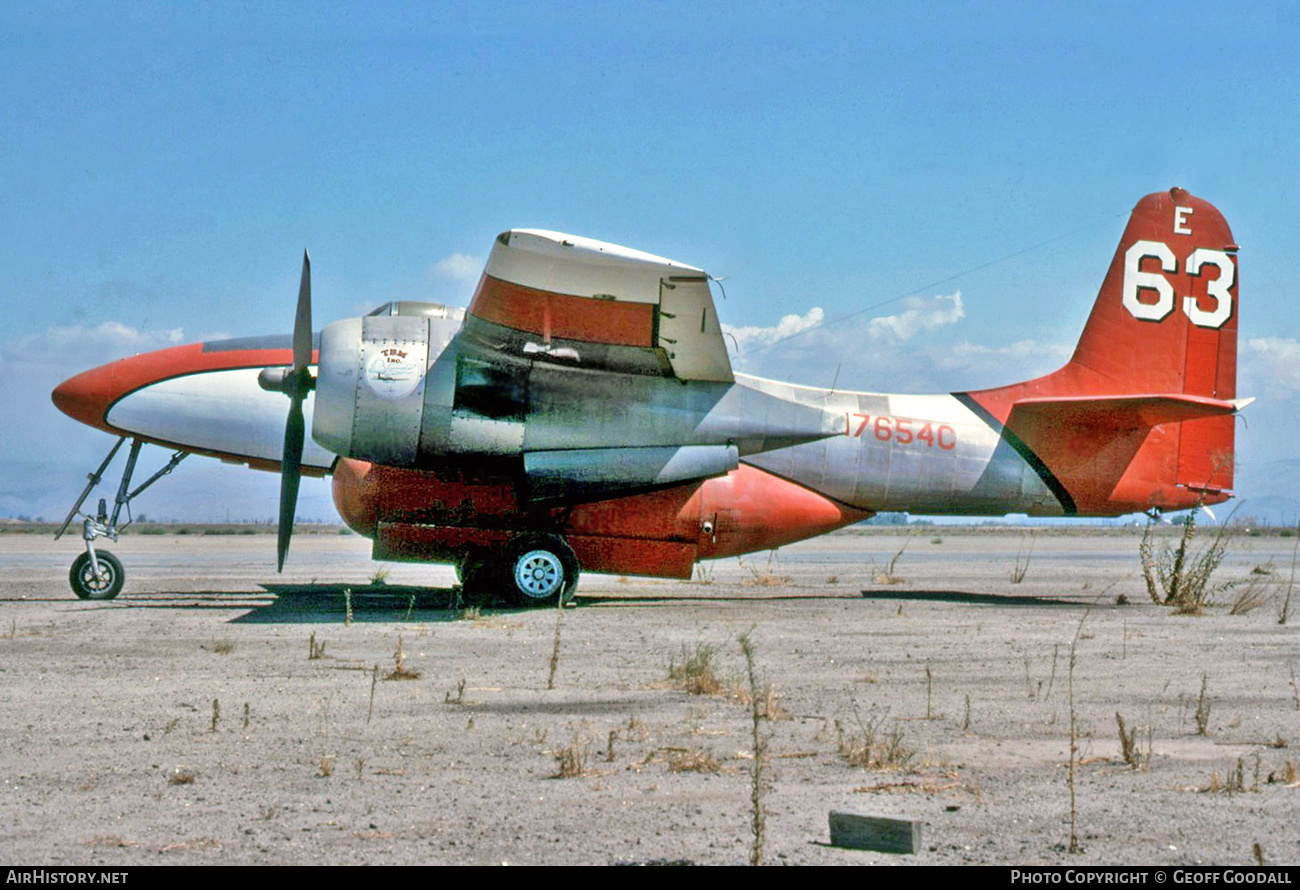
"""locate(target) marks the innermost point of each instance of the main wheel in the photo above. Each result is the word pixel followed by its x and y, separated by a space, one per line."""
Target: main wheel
pixel 87 586
pixel 543 570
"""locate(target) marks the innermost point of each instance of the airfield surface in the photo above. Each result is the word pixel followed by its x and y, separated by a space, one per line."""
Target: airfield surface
pixel 184 723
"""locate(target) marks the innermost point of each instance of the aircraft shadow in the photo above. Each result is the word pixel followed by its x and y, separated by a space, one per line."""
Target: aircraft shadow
pixel 977 599
pixel 314 603
pixel 305 604
pixel 329 603
pixel 664 599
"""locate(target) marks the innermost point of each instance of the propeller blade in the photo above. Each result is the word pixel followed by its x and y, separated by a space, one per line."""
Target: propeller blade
pixel 296 383
pixel 302 321
pixel 290 464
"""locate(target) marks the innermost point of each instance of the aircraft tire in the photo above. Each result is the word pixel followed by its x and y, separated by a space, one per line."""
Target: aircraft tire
pixel 84 583
pixel 543 570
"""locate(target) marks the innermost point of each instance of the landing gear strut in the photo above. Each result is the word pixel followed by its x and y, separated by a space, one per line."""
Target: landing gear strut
pixel 98 574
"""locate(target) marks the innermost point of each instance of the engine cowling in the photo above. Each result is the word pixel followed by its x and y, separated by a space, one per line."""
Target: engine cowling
pixel 379 384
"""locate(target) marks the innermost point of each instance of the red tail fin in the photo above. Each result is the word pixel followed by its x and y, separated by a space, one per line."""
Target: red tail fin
pixel 1164 326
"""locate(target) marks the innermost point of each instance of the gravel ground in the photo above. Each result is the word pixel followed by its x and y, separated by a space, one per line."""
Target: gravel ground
pixel 184 723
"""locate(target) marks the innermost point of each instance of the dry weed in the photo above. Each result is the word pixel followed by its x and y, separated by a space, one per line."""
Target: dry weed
pixel 401 671
pixel 1179 575
pixel 108 840
pixel 636 730
pixel 871 747
pixel 198 843
pixel 1203 705
pixel 1288 776
pixel 1249 598
pixel 1022 565
pixel 555 650
pixel 693 760
pixel 760 779
pixel 769 576
pixel 1128 745
pixel 697 673
pixel 315 650
pixel 460 695
pixel 888 573
pixel 1235 783
pixel 769 707
pixel 571 760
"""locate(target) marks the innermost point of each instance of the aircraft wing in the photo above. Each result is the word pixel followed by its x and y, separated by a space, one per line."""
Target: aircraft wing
pixel 576 300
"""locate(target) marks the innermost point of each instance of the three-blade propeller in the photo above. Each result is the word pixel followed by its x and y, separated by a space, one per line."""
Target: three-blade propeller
pixel 295 382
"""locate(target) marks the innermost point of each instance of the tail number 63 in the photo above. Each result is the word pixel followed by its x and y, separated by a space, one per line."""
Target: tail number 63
pixel 1136 280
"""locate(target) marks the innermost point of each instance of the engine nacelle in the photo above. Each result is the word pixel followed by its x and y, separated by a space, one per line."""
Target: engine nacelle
pixel 383 396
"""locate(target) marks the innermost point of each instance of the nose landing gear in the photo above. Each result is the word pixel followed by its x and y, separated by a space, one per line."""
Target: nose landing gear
pixel 98 574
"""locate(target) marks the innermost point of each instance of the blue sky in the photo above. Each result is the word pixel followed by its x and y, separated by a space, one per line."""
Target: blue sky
pixel 164 165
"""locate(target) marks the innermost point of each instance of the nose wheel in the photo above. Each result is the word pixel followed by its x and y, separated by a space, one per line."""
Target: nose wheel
pixel 96 578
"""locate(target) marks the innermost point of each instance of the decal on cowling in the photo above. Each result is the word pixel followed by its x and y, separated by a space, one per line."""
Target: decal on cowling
pixel 395 372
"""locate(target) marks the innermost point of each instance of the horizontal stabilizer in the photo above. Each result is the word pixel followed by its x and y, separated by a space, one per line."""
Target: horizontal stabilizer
pixel 591 473
pixel 1090 449
pixel 1120 412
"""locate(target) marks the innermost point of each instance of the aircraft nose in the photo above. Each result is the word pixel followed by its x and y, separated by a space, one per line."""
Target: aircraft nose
pixel 87 397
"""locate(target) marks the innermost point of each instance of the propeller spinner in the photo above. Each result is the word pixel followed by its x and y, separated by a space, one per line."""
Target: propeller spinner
pixel 295 382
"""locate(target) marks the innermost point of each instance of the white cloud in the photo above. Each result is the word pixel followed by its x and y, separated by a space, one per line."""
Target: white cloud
pixel 457 267
pixel 1272 363
pixel 1021 349
pixel 72 349
pixel 920 314
pixel 788 326
pixel 890 354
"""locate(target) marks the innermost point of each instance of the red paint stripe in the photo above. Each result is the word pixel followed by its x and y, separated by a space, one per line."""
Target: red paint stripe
pixel 566 317
pixel 89 396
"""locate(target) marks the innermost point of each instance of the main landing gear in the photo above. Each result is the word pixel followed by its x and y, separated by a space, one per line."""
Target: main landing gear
pixel 535 570
pixel 98 574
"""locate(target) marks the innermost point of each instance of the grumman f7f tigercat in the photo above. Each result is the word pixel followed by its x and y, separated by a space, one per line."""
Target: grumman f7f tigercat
pixel 583 414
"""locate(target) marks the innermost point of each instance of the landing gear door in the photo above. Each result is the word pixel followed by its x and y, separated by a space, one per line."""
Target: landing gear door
pixel 689 332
